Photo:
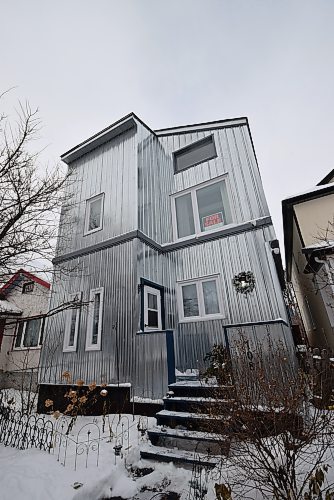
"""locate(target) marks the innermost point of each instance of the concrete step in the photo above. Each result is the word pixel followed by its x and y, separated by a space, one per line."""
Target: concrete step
pixel 194 421
pixel 195 441
pixel 179 457
pixel 198 405
pixel 199 388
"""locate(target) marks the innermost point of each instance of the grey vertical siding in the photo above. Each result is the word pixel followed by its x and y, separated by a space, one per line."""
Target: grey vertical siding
pixel 110 169
pixel 135 171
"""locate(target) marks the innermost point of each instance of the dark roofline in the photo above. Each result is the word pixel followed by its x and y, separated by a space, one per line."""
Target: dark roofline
pixel 28 275
pixel 214 123
pixel 288 214
pixel 128 121
pixel 327 178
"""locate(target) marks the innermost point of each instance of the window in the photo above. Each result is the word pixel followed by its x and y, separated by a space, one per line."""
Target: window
pixel 201 210
pixel 195 153
pixel 200 299
pixel 29 334
pixel 94 214
pixel 94 324
pixel 72 323
pixel 28 287
pixel 152 302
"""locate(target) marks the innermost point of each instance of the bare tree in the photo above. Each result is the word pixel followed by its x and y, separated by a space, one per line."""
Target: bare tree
pixel 281 442
pixel 30 196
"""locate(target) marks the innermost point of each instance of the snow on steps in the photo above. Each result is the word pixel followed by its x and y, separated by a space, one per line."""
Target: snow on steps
pixel 178 457
pixel 199 404
pixel 198 388
pixel 184 439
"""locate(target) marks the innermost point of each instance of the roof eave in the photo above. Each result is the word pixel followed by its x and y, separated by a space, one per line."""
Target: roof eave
pixel 123 125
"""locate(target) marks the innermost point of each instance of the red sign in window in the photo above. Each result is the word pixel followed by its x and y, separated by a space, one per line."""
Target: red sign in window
pixel 214 220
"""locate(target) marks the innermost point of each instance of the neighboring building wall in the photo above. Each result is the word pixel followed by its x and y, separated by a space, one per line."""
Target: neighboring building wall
pixel 315 219
pixel 310 299
pixel 18 367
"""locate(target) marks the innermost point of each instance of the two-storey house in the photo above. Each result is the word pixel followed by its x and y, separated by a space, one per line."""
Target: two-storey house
pixel 23 305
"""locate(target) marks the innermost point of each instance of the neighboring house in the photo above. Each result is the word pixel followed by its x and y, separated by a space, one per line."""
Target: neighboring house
pixel 163 232
pixel 308 221
pixel 23 305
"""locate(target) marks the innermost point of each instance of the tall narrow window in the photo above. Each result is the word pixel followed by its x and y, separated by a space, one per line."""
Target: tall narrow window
pixel 94 323
pixel 72 323
pixel 94 214
pixel 152 306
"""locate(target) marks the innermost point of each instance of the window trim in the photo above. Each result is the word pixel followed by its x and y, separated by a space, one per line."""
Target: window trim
pixel 89 345
pixel 200 297
pixel 192 190
pixel 40 334
pixel 144 283
pixel 68 317
pixel 87 213
pixel 192 146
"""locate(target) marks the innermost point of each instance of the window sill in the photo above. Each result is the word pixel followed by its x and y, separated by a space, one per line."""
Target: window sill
pixel 86 233
pixel 202 318
pixel 27 348
pixel 149 332
pixel 204 233
pixel 93 348
pixel 69 349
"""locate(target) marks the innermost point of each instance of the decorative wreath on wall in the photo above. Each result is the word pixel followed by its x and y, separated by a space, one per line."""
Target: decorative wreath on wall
pixel 244 282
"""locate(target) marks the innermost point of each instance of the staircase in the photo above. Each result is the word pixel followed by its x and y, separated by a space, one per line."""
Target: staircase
pixel 194 425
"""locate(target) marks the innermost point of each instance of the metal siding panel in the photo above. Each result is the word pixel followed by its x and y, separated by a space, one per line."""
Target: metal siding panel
pixel 111 169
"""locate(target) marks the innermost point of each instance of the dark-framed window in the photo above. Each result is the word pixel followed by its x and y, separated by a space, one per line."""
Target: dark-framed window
pixel 195 153
pixel 28 287
pixel 152 307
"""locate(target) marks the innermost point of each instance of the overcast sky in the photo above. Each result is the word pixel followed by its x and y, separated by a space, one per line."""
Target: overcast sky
pixel 87 63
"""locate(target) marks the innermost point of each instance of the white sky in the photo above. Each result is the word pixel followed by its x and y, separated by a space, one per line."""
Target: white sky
pixel 87 63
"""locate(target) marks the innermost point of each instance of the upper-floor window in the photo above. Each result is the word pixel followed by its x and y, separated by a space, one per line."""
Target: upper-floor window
pixel 200 299
pixel 29 334
pixel 28 287
pixel 94 324
pixel 94 214
pixel 194 154
pixel 72 322
pixel 201 209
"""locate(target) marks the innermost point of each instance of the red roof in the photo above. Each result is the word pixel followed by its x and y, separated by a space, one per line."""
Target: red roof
pixel 28 275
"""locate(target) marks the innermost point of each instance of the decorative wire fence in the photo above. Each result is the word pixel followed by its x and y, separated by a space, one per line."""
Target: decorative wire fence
pixel 71 443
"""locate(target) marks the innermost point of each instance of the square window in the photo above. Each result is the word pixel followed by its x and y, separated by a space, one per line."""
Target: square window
pixel 201 210
pixel 200 299
pixel 29 334
pixel 28 287
pixel 94 214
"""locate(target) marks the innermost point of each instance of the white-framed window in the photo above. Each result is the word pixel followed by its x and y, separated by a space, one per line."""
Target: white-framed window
pixel 200 299
pixel 152 309
pixel 201 209
pixel 29 334
pixel 94 214
pixel 94 323
pixel 72 323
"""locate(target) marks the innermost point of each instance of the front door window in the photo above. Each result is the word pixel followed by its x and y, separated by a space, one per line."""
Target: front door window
pixel 152 309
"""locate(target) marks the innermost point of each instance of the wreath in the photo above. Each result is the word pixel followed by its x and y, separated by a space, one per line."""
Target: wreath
pixel 244 282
